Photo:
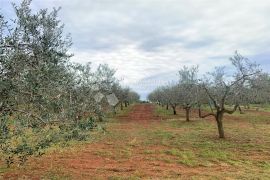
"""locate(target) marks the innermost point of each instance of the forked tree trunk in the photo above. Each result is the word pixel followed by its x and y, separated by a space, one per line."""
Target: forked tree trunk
pixel 219 118
pixel 187 113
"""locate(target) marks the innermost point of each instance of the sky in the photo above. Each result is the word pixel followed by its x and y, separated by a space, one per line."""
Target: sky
pixel 148 41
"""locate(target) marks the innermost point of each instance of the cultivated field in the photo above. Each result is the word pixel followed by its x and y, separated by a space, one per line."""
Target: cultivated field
pixel 146 141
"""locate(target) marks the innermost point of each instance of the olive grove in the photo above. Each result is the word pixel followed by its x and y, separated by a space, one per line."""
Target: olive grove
pixel 222 91
pixel 40 86
pixel 188 87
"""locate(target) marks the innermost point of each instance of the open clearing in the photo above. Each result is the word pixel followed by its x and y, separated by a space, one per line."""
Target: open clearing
pixel 147 142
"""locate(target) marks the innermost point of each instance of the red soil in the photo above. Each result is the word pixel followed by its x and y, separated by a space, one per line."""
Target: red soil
pixel 112 156
pixel 140 113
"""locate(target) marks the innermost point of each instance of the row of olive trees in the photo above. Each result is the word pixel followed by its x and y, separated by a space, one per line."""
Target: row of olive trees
pixel 37 79
pixel 223 93
pixel 184 93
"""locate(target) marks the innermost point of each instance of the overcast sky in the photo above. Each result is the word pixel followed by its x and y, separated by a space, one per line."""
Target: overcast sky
pixel 148 41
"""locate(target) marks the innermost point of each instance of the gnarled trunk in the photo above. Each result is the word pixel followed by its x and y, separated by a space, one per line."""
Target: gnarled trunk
pixel 219 118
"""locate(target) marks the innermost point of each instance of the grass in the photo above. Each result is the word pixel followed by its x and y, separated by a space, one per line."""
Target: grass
pixel 175 149
pixel 246 147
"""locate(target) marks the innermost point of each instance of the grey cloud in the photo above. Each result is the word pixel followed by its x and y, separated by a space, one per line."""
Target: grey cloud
pixel 200 43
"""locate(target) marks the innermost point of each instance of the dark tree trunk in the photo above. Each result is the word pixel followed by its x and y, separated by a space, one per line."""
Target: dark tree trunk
pixel 121 106
pixel 187 113
pixel 219 118
pixel 174 110
pixel 126 104
pixel 167 106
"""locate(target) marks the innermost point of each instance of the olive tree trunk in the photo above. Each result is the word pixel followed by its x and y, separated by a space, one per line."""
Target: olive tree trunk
pixel 187 113
pixel 219 118
pixel 174 109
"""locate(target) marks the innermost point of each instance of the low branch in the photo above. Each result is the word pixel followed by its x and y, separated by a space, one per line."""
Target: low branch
pixel 231 111
pixel 206 115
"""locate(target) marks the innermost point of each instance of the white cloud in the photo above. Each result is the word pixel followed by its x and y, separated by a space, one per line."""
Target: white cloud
pixel 144 39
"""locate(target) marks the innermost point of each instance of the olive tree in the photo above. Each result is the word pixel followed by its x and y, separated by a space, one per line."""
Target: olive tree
pixel 157 96
pixel 259 90
pixel 34 62
pixel 37 78
pixel 168 95
pixel 133 97
pixel 224 90
pixel 172 96
pixel 188 88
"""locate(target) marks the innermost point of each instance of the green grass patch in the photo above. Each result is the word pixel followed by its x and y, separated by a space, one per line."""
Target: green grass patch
pixel 184 157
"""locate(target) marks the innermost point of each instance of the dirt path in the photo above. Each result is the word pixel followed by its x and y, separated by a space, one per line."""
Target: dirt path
pixel 142 113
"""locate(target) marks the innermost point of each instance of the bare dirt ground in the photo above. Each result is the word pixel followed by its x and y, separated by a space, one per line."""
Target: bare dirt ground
pixel 135 146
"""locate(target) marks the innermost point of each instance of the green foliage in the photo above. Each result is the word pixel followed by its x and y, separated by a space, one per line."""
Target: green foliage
pixel 44 98
pixel 87 124
pixel 20 141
